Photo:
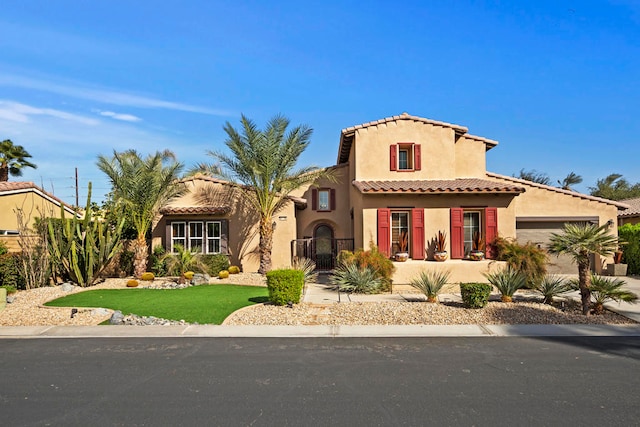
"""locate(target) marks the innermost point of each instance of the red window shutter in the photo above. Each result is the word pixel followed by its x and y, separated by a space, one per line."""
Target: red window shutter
pixel 490 231
pixel 417 233
pixel 314 199
pixel 417 157
pixel 393 157
pixel 332 199
pixel 384 231
pixel 457 233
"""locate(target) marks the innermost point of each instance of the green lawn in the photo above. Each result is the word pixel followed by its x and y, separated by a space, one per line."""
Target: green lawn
pixel 207 304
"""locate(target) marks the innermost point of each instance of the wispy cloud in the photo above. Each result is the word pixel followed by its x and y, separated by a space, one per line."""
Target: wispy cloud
pixel 18 112
pixel 120 116
pixel 105 96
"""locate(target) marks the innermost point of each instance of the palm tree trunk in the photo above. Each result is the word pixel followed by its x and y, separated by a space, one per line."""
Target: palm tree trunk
pixel 4 173
pixel 266 244
pixel 140 254
pixel 584 280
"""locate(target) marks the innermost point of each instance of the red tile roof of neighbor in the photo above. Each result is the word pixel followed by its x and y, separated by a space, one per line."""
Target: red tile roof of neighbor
pixel 634 207
pixel 438 186
pixel 25 186
pixel 17 185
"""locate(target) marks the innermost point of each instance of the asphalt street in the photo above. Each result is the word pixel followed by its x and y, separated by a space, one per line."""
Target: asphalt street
pixel 320 381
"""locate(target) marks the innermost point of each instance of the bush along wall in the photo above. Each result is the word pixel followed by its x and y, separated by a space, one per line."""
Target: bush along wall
pixel 630 236
pixel 285 286
pixel 475 295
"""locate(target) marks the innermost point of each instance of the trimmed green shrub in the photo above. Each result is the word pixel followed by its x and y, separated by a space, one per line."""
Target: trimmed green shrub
pixel 351 278
pixel 234 269
pixel 475 295
pixel 630 235
pixel 285 286
pixel 148 276
pixel 378 262
pixel 216 263
pixel 10 271
pixel 223 274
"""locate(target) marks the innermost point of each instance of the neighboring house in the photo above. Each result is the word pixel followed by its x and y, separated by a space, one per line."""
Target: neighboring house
pixel 29 199
pixel 395 175
pixel 631 215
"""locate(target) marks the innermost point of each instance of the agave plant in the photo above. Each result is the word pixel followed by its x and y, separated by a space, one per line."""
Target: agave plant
pixel 430 283
pixel 351 278
pixel 605 289
pixel 308 267
pixel 507 281
pixel 551 286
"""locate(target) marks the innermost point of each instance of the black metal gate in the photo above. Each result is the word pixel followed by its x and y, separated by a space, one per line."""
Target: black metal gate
pixel 322 251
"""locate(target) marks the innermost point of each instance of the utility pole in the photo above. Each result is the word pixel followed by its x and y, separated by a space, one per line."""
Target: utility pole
pixel 77 205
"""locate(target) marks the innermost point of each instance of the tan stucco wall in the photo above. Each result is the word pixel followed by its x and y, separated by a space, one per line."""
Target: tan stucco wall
pixel 243 239
pixel 470 158
pixel 32 205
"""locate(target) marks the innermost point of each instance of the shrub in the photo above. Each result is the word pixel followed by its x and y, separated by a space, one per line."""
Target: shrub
pixel 216 263
pixel 132 283
pixel 125 263
pixel 430 283
pixel 10 289
pixel 526 258
pixel 3 248
pixel 10 271
pixel 507 281
pixel 308 267
pixel 189 275
pixel 349 277
pixel 475 295
pixel 158 266
pixel 630 234
pixel 552 286
pixel 148 276
pixel 223 274
pixel 285 286
pixel 378 262
pixel 234 269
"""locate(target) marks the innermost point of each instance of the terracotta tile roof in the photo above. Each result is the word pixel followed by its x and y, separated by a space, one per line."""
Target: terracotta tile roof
pixel 438 186
pixel 619 205
pixel 490 142
pixel 18 185
pixel 634 207
pixel 9 187
pixel 195 210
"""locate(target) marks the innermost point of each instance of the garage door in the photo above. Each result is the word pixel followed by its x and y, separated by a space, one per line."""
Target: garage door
pixel 539 231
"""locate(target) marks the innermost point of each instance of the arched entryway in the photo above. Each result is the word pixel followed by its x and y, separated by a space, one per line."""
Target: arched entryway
pixel 323 247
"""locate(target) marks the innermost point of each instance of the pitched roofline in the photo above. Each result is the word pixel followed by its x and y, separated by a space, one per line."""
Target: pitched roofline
pixel 558 190
pixel 490 143
pixel 28 187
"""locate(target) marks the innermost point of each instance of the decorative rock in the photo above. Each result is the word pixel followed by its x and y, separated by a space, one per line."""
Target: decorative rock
pixel 200 279
pixel 67 287
pixel 117 318
pixel 10 299
pixel 99 312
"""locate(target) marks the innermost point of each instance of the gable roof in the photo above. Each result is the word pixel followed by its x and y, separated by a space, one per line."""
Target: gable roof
pixel 634 207
pixel 18 187
pixel 438 186
pixel 347 134
pixel 619 205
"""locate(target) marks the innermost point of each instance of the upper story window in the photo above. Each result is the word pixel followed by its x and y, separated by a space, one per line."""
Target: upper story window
pixel 323 199
pixel 405 156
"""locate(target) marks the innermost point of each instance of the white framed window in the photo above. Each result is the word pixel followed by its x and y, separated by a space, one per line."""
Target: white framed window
pixel 196 236
pixel 178 235
pixel 472 225
pixel 399 227
pixel 214 237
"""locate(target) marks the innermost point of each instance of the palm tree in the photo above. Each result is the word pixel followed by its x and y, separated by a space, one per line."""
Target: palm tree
pixel 12 159
pixel 570 180
pixel 534 176
pixel 580 241
pixel 265 162
pixel 615 187
pixel 142 186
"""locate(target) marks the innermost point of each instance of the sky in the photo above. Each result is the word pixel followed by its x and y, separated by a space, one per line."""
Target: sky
pixel 557 83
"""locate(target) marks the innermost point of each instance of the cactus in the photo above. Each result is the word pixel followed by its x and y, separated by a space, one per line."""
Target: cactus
pixel 148 276
pixel 224 274
pixel 234 269
pixel 189 275
pixel 83 247
pixel 132 283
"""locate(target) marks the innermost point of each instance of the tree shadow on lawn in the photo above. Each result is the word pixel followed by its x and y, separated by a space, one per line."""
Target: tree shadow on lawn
pixel 259 300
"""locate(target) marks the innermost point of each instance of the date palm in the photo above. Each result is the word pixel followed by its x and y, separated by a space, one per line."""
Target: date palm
pixel 580 241
pixel 265 162
pixel 12 159
pixel 570 180
pixel 142 186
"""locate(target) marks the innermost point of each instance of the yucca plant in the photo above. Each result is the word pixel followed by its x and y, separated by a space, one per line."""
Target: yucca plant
pixel 605 289
pixel 551 286
pixel 507 281
pixel 351 278
pixel 307 266
pixel 430 283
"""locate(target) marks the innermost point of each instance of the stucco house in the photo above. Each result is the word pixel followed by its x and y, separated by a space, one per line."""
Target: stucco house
pixel 631 215
pixel 400 174
pixel 32 201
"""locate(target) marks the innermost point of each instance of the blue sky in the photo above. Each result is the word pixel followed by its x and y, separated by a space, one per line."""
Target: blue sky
pixel 557 83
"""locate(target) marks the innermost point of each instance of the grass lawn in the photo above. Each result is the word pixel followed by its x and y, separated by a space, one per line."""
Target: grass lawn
pixel 206 304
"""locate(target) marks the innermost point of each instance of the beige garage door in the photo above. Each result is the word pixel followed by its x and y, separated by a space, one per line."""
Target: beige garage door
pixel 539 232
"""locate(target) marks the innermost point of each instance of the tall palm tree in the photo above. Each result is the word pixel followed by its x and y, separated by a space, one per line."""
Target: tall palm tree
pixel 580 241
pixel 265 161
pixel 570 180
pixel 12 159
pixel 142 186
